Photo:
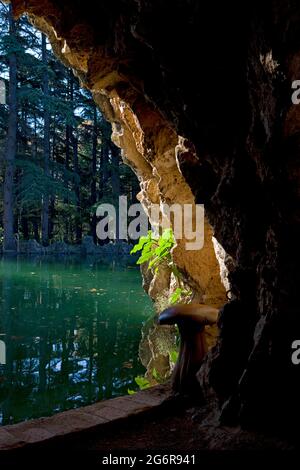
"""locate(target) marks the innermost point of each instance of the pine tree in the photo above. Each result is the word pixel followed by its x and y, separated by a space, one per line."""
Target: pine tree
pixel 57 161
pixel 11 142
pixel 46 143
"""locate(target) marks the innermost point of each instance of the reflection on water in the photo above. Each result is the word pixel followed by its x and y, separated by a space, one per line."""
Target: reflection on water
pixel 71 330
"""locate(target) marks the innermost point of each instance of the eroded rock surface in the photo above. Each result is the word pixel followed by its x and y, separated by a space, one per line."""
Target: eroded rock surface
pixel 199 95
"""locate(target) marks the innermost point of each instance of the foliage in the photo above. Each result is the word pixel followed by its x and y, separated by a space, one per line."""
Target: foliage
pixel 180 295
pixel 83 162
pixel 156 251
pixel 143 383
pixel 174 356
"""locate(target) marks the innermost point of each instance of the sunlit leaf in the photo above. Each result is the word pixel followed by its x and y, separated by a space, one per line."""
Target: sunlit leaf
pixel 175 296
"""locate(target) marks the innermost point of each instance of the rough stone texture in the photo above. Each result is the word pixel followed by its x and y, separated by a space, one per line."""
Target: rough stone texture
pixel 220 76
pixel 88 418
pixel 7 440
pixel 154 351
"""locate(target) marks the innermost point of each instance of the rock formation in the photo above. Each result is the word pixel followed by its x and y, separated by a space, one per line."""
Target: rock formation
pixel 199 95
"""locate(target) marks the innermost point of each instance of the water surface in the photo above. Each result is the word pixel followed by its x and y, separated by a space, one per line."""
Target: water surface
pixel 71 330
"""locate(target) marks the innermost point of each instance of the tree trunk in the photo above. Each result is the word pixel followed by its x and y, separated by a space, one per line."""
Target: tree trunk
pixel 25 227
pixel 78 227
pixel 94 176
pixel 51 216
pixel 35 226
pixel 104 170
pixel 52 198
pixel 67 166
pixel 115 183
pixel 74 141
pixel 68 155
pixel 11 145
pixel 46 144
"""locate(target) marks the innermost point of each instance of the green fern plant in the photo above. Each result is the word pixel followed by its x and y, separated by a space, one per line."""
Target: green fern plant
pixel 156 251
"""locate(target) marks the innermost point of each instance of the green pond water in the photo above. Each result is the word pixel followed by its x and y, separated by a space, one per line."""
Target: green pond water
pixel 71 330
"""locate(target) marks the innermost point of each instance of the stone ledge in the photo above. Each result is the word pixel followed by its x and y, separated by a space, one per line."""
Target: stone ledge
pixel 88 418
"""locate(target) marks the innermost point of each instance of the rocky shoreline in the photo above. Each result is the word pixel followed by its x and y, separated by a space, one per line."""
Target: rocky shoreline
pixel 87 247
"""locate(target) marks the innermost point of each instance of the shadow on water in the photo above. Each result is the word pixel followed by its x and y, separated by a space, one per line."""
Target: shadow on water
pixel 72 329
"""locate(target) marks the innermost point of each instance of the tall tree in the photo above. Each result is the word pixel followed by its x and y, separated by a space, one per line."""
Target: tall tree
pixel 115 182
pixel 74 140
pixel 11 143
pixel 94 173
pixel 57 159
pixel 46 142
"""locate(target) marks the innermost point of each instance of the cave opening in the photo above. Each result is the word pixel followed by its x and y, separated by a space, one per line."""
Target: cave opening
pixel 67 114
pixel 63 144
pixel 64 343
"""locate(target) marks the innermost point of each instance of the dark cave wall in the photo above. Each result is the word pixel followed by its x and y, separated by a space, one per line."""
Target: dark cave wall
pixel 219 75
